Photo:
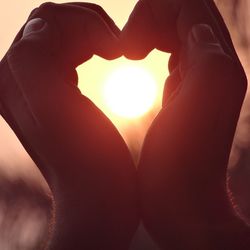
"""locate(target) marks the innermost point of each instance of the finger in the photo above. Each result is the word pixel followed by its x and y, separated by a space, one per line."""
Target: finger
pixel 172 86
pixel 208 14
pixel 37 42
pixel 94 7
pixel 163 24
pixel 138 35
pixel 150 25
pixel 225 35
pixel 189 16
pixel 203 50
pixel 99 10
pixel 173 61
pixel 220 23
pixel 79 33
pixel 205 65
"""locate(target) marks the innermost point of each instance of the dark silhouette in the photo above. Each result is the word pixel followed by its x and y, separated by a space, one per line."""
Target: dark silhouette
pixel 80 153
pixel 183 199
pixel 182 170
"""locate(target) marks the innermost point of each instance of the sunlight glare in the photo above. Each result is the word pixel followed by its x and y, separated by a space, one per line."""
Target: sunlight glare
pixel 130 91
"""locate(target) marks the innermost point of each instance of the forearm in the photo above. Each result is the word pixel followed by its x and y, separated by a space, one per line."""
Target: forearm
pixel 184 163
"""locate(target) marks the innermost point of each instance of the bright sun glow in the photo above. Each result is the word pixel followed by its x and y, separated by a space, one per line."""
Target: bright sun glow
pixel 130 91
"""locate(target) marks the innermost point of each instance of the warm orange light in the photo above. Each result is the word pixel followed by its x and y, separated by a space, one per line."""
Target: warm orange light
pixel 130 91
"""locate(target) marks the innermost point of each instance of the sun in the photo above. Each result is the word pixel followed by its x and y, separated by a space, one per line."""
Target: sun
pixel 130 91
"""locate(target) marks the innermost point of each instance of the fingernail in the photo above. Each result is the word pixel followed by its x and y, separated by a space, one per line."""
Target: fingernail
pixel 33 26
pixel 201 33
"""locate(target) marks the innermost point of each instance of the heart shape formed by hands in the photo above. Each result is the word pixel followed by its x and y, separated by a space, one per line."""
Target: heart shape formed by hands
pixel 86 29
pixel 74 33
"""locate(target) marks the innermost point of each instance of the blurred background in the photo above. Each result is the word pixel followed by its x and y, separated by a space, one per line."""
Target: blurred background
pixel 24 195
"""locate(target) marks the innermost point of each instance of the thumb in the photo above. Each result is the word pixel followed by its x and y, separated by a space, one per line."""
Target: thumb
pixel 34 26
pixel 202 50
pixel 39 43
pixel 38 40
pixel 35 44
pixel 207 69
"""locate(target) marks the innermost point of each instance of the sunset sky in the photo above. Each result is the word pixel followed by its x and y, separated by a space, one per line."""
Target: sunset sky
pixel 13 16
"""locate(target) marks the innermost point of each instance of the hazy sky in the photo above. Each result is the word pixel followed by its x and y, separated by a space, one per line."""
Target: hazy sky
pixel 14 13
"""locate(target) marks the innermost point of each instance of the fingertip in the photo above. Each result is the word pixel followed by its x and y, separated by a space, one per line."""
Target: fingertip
pixel 100 39
pixel 135 57
pixel 111 53
pixel 109 48
pixel 138 35
pixel 133 46
pixel 101 12
pixel 134 53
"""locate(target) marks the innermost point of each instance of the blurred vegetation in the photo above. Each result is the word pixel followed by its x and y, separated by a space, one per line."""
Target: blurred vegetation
pixel 25 207
pixel 24 214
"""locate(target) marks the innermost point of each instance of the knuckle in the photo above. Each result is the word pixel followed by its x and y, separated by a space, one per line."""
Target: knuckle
pixel 45 11
pixel 47 5
pixel 33 12
pixel 98 8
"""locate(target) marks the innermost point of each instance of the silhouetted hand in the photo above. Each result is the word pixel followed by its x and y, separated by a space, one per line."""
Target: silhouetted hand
pixel 182 170
pixel 78 150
